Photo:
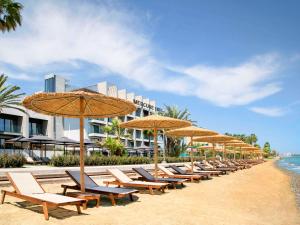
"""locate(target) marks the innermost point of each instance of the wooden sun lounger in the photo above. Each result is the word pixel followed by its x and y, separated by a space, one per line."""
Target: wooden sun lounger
pixel 149 177
pixel 92 187
pixel 184 172
pixel 123 180
pixel 203 172
pixel 168 173
pixel 203 168
pixel 27 188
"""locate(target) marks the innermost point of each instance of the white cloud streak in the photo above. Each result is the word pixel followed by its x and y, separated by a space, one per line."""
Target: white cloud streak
pixel 111 38
pixel 269 111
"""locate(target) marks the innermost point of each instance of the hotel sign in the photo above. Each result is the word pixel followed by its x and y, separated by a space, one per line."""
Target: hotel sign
pixel 146 105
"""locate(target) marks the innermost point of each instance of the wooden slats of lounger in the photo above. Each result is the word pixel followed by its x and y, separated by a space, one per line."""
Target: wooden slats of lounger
pixel 27 188
pixel 168 173
pixel 123 180
pixel 149 177
pixel 91 186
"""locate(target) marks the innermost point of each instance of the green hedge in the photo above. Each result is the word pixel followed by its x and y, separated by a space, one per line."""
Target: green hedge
pixel 96 160
pixel 11 161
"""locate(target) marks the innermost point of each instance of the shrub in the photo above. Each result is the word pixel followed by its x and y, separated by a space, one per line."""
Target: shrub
pixel 11 161
pixel 96 160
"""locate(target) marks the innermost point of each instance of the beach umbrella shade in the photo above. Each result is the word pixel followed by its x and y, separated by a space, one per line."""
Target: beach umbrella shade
pixel 65 141
pixel 42 140
pixel 219 138
pixel 191 132
pixel 20 139
pixel 156 122
pixel 80 104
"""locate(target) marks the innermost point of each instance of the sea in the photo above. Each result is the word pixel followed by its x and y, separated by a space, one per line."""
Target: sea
pixel 291 165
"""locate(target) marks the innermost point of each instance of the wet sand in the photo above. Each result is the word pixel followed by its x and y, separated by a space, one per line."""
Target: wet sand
pixel 258 196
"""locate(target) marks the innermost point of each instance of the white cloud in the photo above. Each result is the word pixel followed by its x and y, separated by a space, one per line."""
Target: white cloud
pixel 113 39
pixel 236 85
pixel 269 111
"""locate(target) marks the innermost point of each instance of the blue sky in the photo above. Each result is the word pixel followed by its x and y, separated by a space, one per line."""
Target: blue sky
pixel 233 64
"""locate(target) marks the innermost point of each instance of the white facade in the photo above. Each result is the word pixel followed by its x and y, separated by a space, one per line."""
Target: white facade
pixel 14 123
pixel 94 127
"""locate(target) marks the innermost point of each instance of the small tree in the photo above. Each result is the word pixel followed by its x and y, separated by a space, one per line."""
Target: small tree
pixel 115 129
pixel 267 148
pixel 8 96
pixel 115 146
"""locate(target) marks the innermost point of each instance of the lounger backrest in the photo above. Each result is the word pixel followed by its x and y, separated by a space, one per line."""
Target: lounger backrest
pixel 177 169
pixel 25 183
pixel 144 173
pixel 188 166
pixel 119 175
pixel 165 170
pixel 75 175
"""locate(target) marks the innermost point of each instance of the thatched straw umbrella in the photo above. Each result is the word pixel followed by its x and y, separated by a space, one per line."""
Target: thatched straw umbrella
pixel 237 144
pixel 191 132
pixel 79 104
pixel 220 138
pixel 250 149
pixel 155 122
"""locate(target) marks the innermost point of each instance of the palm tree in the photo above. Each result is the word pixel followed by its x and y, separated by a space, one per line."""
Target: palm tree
pixel 8 98
pixel 115 129
pixel 10 15
pixel 149 134
pixel 173 144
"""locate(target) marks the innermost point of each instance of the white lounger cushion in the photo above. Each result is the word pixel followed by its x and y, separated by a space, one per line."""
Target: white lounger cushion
pixel 190 167
pixel 165 170
pixel 54 198
pixel 123 178
pixel 146 183
pixel 25 183
pixel 119 175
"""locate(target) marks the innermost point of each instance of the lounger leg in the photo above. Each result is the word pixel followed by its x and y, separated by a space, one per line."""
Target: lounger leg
pixel 112 199
pixel 3 196
pixel 84 205
pixel 182 185
pixel 78 209
pixel 98 201
pixel 174 185
pixel 131 197
pixel 45 209
pixel 65 190
pixel 151 190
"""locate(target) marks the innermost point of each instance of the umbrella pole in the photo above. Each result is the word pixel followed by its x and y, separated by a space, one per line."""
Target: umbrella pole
pixel 155 152
pixel 81 124
pixel 224 157
pixel 214 152
pixel 192 159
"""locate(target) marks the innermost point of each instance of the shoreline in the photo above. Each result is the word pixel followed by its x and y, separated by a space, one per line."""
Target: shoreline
pixel 294 181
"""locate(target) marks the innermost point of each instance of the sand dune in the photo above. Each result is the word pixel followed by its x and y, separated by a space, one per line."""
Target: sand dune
pixel 258 196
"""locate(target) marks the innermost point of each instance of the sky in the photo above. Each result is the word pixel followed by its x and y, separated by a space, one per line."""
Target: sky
pixel 233 64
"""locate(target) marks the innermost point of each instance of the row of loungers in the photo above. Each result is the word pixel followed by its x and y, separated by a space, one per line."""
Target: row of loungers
pixel 27 188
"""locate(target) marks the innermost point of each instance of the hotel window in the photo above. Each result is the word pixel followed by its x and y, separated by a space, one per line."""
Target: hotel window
pixel 9 124
pixel 138 134
pixel 138 144
pixel 145 112
pixel 138 112
pixel 36 127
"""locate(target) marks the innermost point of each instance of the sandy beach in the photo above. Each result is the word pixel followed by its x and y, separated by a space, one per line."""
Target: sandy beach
pixel 260 195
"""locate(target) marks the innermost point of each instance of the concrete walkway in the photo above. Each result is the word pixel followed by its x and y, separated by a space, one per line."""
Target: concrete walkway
pixel 49 170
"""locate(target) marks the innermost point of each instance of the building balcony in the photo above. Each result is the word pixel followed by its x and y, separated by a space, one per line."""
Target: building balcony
pixel 97 135
pixel 101 121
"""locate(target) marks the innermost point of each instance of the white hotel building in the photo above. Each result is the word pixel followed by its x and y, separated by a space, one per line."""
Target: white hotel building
pixel 14 123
